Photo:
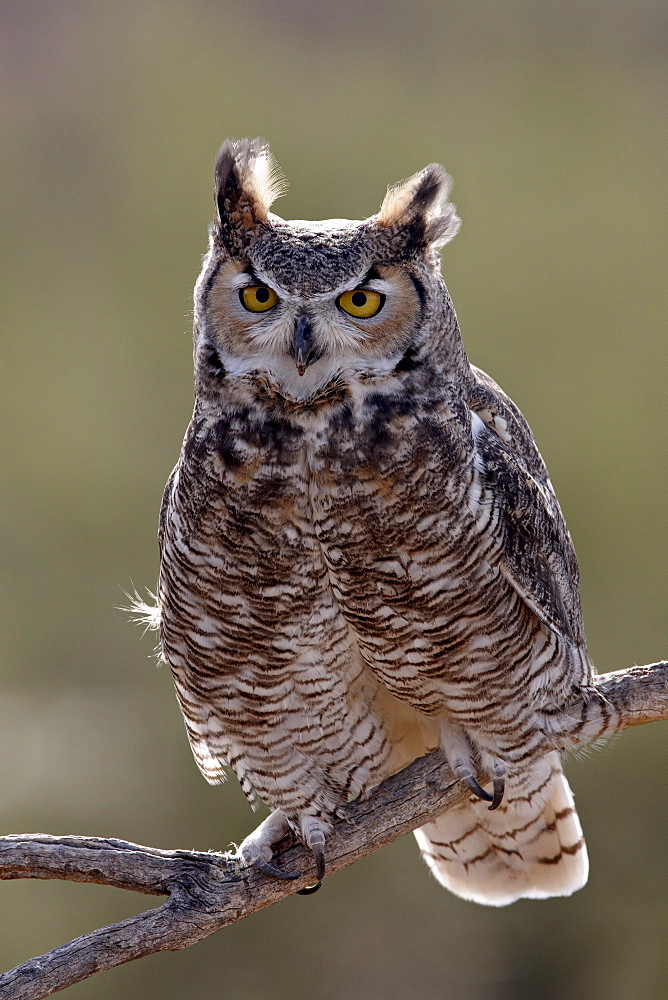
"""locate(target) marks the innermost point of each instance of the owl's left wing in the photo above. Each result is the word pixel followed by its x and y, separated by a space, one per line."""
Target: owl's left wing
pixel 538 557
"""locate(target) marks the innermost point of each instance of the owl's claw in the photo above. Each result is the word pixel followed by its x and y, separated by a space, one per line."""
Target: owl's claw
pixel 271 870
pixel 313 832
pixel 460 752
pixel 477 789
pixel 498 783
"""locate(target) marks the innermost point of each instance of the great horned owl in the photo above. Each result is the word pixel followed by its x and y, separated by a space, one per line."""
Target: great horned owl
pixel 363 558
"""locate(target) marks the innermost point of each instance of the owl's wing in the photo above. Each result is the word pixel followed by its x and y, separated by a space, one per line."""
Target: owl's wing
pixel 538 555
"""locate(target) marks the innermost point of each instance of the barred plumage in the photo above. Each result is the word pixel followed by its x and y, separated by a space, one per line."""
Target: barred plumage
pixel 362 554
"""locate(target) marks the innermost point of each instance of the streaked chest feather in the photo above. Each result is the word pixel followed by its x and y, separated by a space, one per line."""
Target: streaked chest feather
pixel 378 473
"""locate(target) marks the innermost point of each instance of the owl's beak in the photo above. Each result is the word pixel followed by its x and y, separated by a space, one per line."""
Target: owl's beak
pixel 304 353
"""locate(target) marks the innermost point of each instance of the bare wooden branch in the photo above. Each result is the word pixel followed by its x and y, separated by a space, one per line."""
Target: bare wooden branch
pixel 208 891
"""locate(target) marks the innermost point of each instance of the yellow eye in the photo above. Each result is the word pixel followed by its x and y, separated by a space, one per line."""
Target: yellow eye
pixel 258 298
pixel 361 302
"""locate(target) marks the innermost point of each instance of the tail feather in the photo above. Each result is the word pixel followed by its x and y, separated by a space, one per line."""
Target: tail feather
pixel 531 847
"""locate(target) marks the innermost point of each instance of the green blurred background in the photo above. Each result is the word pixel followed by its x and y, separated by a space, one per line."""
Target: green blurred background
pixel 548 116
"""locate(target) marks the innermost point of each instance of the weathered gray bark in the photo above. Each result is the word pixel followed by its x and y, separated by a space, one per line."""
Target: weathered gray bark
pixel 207 891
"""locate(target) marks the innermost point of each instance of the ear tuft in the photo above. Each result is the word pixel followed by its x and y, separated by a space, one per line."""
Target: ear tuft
pixel 422 202
pixel 247 181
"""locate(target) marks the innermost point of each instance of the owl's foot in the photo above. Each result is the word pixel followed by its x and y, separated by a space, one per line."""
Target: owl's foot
pixel 459 753
pixel 255 851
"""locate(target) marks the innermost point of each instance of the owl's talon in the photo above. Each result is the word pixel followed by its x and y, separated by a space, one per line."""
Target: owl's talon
pixel 498 783
pixel 268 869
pixel 478 790
pixel 460 754
pixel 313 833
pixel 319 858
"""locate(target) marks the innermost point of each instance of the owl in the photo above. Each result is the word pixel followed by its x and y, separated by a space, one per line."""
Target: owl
pixel 362 555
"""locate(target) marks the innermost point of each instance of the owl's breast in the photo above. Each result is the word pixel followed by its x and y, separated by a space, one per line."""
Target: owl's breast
pixel 343 530
pixel 359 497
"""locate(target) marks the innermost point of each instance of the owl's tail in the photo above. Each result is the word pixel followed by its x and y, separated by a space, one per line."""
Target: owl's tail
pixel 531 847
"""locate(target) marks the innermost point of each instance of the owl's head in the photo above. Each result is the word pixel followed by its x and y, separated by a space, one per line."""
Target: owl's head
pixel 302 303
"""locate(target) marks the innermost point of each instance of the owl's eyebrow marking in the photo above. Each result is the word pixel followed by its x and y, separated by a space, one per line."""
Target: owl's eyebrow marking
pixel 249 270
pixel 371 275
pixel 248 278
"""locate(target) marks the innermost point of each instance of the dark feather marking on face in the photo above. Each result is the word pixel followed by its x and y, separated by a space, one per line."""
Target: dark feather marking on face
pixel 210 280
pixel 213 362
pixel 408 362
pixel 419 291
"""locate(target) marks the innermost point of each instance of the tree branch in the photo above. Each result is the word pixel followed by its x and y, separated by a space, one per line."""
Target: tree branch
pixel 208 891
